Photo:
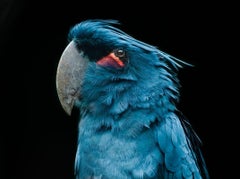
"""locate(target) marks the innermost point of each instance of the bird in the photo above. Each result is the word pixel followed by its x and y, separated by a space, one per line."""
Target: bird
pixel 126 92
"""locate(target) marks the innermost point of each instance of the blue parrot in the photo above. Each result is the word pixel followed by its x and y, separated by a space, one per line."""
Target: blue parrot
pixel 126 92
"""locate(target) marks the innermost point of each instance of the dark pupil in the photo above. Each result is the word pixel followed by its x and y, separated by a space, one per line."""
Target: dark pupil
pixel 120 53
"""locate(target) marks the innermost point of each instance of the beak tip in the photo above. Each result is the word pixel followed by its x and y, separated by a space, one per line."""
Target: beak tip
pixel 66 101
pixel 68 110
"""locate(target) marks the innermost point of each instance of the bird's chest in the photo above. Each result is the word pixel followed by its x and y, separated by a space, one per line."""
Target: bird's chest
pixel 115 147
pixel 116 153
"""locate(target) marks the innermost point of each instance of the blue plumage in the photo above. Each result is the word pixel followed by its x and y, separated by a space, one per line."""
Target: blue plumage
pixel 129 124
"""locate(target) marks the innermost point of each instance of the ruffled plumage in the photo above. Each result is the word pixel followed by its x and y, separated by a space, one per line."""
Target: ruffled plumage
pixel 129 125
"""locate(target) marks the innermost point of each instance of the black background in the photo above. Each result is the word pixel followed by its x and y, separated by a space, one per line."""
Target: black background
pixel 38 140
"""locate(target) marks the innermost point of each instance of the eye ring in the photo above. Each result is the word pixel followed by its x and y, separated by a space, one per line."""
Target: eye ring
pixel 120 53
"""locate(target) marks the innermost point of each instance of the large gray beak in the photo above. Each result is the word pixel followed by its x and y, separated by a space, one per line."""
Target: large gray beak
pixel 69 77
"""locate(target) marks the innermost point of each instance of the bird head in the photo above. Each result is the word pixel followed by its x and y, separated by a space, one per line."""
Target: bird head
pixel 99 55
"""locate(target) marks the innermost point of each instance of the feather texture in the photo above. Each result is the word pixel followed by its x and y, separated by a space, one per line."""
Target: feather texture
pixel 129 125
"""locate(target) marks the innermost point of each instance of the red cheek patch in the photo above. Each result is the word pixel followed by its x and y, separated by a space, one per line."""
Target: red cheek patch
pixel 111 60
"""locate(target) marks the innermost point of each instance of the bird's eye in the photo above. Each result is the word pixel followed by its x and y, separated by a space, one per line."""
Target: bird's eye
pixel 120 53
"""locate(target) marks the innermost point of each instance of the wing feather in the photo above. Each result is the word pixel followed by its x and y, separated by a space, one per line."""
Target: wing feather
pixel 180 158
